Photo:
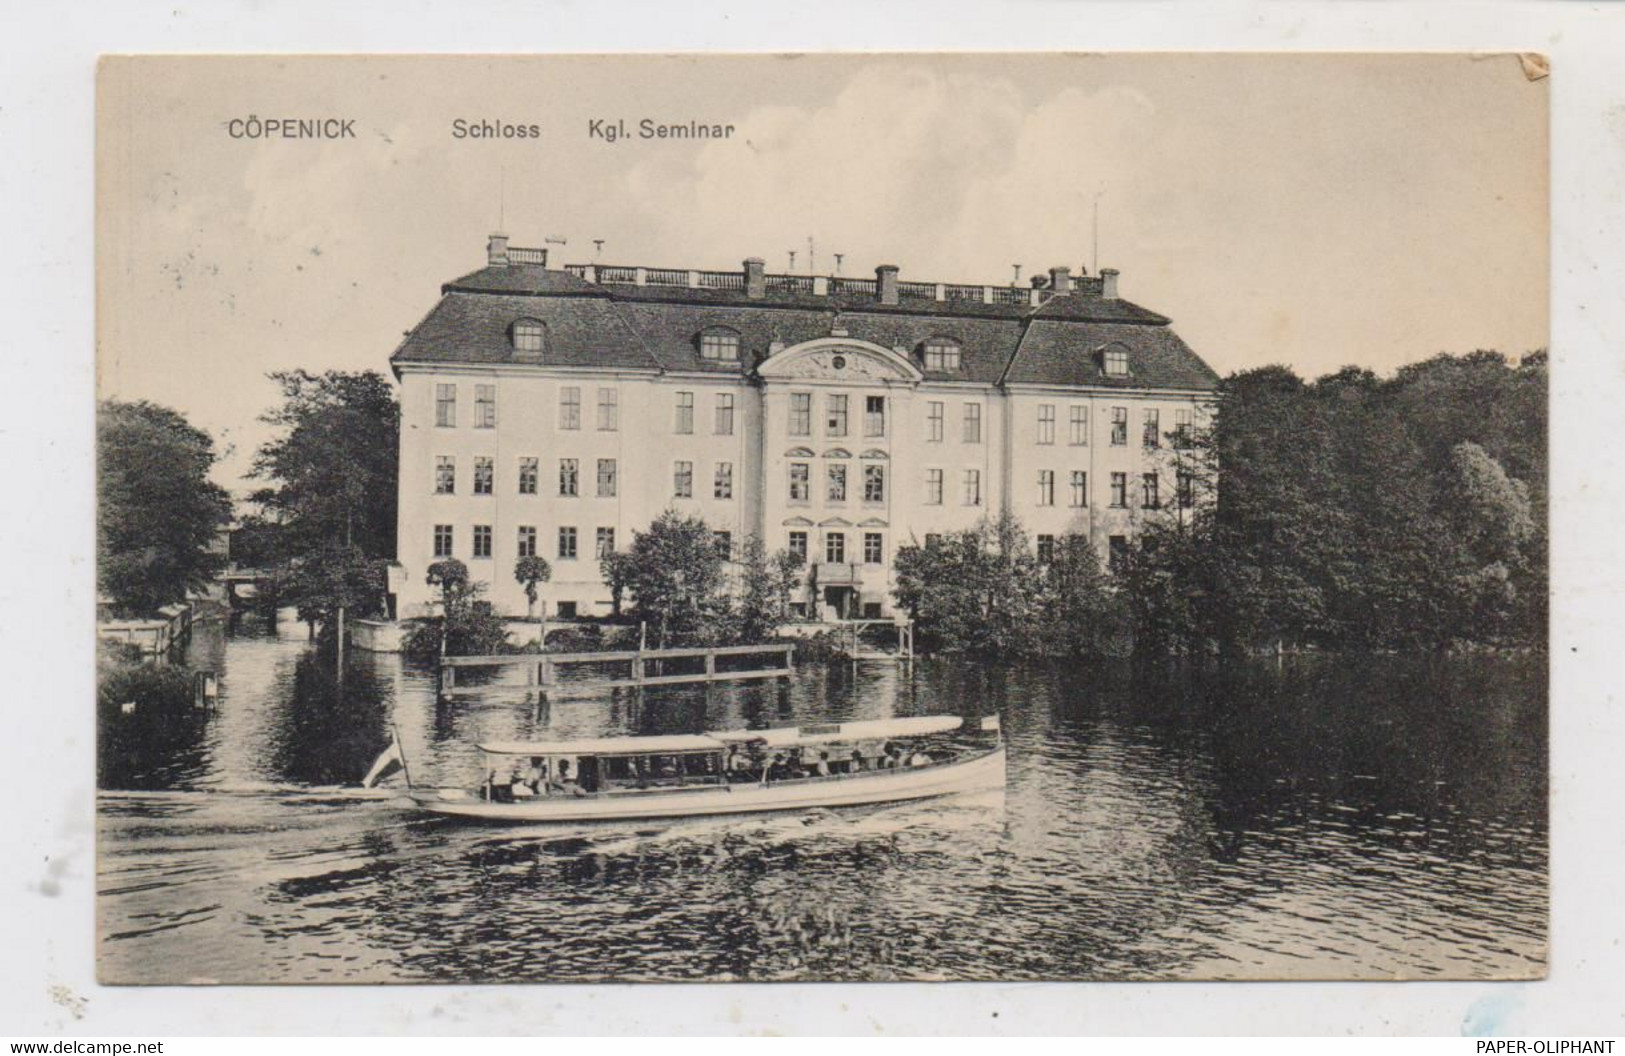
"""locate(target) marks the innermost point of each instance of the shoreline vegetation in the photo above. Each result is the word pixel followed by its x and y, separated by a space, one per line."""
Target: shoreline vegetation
pixel 1346 514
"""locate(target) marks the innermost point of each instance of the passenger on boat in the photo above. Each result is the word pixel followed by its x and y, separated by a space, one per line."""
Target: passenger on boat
pixel 499 785
pixel 821 768
pixel 778 770
pixel 534 779
pixel 564 783
pixel 919 758
pixel 856 765
pixel 738 766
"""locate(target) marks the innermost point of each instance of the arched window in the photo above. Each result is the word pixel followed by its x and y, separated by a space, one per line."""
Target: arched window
pixel 941 353
pixel 719 344
pixel 529 337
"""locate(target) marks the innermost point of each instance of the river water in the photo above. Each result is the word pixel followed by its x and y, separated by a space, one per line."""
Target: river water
pixel 1312 818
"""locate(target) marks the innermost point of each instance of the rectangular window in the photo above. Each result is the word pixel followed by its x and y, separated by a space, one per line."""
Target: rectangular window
pixel 1151 428
pixel 566 610
pixel 569 477
pixel 445 406
pixel 973 423
pixel 1080 488
pixel 1046 549
pixel 724 543
pixel 1119 489
pixel 527 541
pixel 725 414
pixel 934 415
pixel 1117 552
pixel 1186 489
pixel 605 544
pixel 801 414
pixel 798 545
pixel 682 480
pixel 941 355
pixel 609 410
pixel 835 415
pixel 528 472
pixel 685 412
pixel 723 486
pixel 933 487
pixel 485 406
pixel 719 346
pixel 1117 362
pixel 973 487
pixel 606 478
pixel 1148 491
pixel 482 540
pixel 835 547
pixel 1119 426
pixel 1046 423
pixel 570 407
pixel 1046 487
pixel 874 548
pixel 445 475
pixel 1183 428
pixel 836 491
pixel 800 482
pixel 874 416
pixel 567 544
pixel 874 483
pixel 484 475
pixel 1079 423
pixel 442 540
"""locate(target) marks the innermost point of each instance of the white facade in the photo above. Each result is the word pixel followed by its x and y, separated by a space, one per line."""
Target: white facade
pixel 831 444
pixel 613 449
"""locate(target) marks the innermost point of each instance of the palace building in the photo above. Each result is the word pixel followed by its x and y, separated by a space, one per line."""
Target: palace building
pixel 555 411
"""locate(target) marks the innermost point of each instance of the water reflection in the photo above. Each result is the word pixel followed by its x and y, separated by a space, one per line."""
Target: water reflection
pixel 1330 817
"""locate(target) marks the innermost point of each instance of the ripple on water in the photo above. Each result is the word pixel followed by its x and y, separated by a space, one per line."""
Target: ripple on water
pixel 1267 823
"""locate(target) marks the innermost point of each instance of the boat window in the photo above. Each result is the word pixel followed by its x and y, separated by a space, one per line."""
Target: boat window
pixel 700 764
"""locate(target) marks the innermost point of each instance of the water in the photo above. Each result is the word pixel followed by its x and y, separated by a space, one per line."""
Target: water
pixel 1329 819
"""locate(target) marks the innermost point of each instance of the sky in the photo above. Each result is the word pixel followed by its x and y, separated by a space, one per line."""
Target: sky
pixel 1311 210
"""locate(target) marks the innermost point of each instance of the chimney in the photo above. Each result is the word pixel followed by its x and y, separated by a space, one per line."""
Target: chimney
pixel 497 251
pixel 1060 281
pixel 886 284
pixel 1108 283
pixel 755 278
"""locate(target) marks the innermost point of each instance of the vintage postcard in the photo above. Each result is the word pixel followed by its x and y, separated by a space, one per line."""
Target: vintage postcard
pixel 821 517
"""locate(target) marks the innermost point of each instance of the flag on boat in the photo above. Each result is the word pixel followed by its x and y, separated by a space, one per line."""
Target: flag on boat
pixel 391 760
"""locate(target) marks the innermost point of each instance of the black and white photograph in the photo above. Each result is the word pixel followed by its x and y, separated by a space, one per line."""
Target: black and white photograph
pixel 821 517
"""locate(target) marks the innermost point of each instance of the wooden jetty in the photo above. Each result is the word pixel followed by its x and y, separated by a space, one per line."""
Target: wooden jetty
pixel 541 670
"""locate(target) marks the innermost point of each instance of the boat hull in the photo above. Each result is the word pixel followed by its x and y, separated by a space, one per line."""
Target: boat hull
pixel 984 771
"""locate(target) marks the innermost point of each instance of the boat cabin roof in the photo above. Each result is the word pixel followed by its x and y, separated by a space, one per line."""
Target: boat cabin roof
pixel 607 746
pixel 824 733
pixel 783 736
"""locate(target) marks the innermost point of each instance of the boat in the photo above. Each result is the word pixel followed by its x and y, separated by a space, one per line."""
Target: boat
pixel 726 772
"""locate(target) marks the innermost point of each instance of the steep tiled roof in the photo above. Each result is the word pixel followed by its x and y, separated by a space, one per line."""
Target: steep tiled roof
pixel 657 328
pixel 1068 353
pixel 474 328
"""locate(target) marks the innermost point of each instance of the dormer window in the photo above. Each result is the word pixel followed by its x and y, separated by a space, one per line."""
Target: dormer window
pixel 719 345
pixel 941 353
pixel 1115 361
pixel 529 336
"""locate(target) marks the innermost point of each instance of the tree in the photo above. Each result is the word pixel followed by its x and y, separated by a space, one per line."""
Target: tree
pixel 157 511
pixel 333 578
pixel 616 568
pixel 528 571
pixel 765 587
pixel 975 591
pixel 674 577
pixel 1081 614
pixel 467 625
pixel 333 467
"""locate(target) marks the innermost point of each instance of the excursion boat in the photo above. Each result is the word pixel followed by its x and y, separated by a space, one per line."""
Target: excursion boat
pixel 727 772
